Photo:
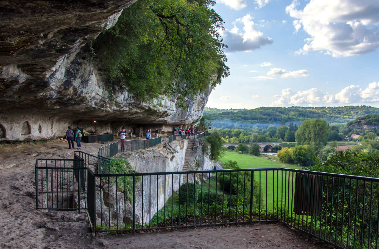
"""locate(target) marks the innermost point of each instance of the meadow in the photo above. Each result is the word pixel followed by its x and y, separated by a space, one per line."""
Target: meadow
pixel 269 180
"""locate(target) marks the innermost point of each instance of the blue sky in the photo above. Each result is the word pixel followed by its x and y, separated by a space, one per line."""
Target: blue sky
pixel 299 53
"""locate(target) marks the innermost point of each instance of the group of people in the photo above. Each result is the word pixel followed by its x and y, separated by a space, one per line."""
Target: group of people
pixel 123 134
pixel 72 136
pixel 188 132
pixel 149 132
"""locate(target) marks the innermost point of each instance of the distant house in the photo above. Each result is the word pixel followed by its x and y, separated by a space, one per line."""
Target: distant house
pixel 355 136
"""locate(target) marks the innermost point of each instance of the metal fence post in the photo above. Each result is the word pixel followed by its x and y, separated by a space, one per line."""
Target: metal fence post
pixel 134 203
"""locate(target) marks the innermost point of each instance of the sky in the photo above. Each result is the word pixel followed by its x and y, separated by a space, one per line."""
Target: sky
pixel 299 53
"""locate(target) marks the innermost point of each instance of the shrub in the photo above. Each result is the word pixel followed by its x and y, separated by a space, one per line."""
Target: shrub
pixel 217 149
pixel 285 155
pixel 189 193
pixel 255 150
pixel 303 155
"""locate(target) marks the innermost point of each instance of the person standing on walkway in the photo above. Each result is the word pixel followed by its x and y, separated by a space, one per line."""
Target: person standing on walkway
pixel 78 137
pixel 122 138
pixel 156 133
pixel 147 134
pixel 70 138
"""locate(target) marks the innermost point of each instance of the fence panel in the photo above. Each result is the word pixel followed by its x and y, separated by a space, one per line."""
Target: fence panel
pixel 60 183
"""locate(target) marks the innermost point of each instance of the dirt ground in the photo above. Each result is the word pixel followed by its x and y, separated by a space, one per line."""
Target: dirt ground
pixel 22 226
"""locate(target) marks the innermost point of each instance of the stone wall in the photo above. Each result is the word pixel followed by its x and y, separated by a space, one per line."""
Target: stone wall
pixel 153 191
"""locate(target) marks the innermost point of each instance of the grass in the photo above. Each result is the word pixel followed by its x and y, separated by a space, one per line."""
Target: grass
pixel 248 161
pixel 273 195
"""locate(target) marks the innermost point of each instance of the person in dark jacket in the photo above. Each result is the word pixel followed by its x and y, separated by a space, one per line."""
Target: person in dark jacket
pixel 70 137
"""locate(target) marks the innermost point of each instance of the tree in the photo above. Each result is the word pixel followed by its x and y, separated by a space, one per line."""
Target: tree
pixel 242 148
pixel 271 131
pixel 167 47
pixel 204 123
pixel 370 135
pixel 313 132
pixel 281 132
pixel 217 149
pixel 255 150
pixel 303 155
pixel 285 155
pixel 290 136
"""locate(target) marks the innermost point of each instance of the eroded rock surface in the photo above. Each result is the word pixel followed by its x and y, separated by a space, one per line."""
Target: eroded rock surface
pixel 47 81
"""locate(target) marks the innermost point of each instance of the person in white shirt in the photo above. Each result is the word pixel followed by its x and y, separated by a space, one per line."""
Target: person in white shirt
pixel 122 138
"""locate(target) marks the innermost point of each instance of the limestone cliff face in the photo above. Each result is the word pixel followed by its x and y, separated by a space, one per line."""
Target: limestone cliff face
pixel 46 83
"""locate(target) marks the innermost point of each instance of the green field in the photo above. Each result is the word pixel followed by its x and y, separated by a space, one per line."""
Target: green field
pixel 274 178
pixel 249 161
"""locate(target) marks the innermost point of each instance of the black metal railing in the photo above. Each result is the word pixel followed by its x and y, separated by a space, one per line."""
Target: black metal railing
pixel 110 150
pixel 60 184
pixel 340 209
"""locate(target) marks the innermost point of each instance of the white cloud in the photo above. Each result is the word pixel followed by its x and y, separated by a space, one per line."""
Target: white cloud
pixel 371 93
pixel 340 28
pixel 253 71
pixel 261 3
pixel 349 94
pixel 262 78
pixel 276 71
pixel 284 99
pixel 266 64
pixel 352 94
pixel 295 74
pixel 284 22
pixel 247 41
pixel 224 98
pixel 310 97
pixel 256 96
pixel 234 4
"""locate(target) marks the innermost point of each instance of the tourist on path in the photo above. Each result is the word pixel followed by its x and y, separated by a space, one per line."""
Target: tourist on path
pixel 156 133
pixel 147 134
pixel 122 138
pixel 70 138
pixel 78 137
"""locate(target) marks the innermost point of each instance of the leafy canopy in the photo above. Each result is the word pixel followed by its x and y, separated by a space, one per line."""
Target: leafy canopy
pixel 313 132
pixel 163 47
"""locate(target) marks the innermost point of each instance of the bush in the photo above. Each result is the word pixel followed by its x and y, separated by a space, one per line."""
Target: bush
pixel 209 197
pixel 303 155
pixel 189 193
pixel 285 155
pixel 217 149
pixel 255 150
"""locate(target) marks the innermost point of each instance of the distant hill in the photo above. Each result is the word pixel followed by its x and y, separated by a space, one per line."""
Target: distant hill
pixel 264 116
pixel 366 122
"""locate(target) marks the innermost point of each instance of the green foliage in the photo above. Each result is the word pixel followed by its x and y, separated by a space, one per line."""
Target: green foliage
pixel 371 120
pixel 325 152
pixel 124 183
pixel 314 133
pixel 217 149
pixel 303 155
pixel 204 123
pixel 188 193
pixel 242 148
pixel 167 47
pixel 351 162
pixel 255 150
pixel 231 165
pixel 276 148
pixel 285 155
pixel 281 132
